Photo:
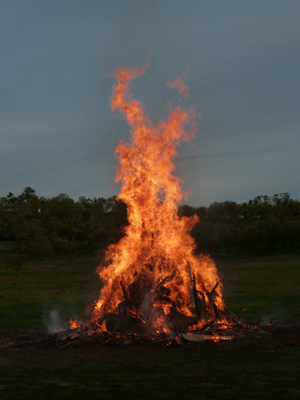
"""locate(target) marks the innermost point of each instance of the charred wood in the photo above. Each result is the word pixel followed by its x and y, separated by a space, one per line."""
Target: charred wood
pixel 210 295
pixel 123 308
pixel 125 325
pixel 101 319
pixel 165 280
pixel 163 299
pixel 180 322
pixel 203 305
pixel 192 298
pixel 124 291
pixel 208 325
pixel 200 305
pixel 163 291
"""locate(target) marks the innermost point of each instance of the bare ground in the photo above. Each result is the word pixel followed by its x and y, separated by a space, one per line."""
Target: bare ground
pixel 36 348
pixel 35 365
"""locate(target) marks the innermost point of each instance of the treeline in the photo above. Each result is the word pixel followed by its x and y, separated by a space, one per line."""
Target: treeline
pixel 265 225
pixel 44 227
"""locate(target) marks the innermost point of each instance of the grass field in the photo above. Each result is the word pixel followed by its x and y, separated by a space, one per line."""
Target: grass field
pixel 66 285
pixel 268 287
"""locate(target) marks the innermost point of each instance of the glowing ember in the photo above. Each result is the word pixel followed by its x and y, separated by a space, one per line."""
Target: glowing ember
pixel 152 275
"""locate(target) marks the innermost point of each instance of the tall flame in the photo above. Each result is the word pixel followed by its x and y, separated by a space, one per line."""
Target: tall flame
pixel 156 247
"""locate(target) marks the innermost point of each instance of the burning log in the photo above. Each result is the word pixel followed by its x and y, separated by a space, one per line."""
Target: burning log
pixel 128 306
pixel 124 291
pixel 208 325
pixel 162 295
pixel 200 305
pixel 180 322
pixel 163 281
pixel 123 308
pixel 210 296
pixel 125 325
pixel 218 338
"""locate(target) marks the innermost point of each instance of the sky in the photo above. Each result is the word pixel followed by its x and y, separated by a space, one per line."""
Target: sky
pixel 240 59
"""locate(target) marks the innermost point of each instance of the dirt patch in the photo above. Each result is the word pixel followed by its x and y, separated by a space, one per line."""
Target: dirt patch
pixel 35 348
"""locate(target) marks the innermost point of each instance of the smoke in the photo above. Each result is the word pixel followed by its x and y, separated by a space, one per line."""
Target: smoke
pixel 277 316
pixel 53 322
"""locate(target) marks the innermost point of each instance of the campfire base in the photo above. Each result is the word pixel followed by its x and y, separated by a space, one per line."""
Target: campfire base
pixel 143 335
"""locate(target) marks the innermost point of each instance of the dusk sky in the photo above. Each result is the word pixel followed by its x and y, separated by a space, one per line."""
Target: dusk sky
pixel 240 59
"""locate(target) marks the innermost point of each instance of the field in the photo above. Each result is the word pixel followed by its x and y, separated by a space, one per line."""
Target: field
pixel 266 288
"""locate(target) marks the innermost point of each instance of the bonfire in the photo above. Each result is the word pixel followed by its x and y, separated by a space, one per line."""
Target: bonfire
pixel 154 285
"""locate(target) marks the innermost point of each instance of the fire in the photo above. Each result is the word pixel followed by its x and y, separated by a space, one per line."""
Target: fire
pixel 74 324
pixel 152 273
pixel 182 87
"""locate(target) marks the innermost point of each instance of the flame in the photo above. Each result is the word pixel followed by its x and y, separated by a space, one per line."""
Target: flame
pixel 182 87
pixel 157 248
pixel 74 323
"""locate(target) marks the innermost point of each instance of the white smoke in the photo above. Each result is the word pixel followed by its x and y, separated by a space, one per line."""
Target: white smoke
pixel 277 316
pixel 53 323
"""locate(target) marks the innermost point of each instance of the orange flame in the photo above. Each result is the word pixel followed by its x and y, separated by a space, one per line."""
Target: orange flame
pixel 157 247
pixel 183 88
pixel 74 323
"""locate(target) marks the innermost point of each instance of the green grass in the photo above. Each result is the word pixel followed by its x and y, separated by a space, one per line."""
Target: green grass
pixel 267 287
pixel 66 284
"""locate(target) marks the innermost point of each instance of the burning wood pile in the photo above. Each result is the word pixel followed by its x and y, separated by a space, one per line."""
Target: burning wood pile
pixel 155 287
pixel 145 309
pixel 141 318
